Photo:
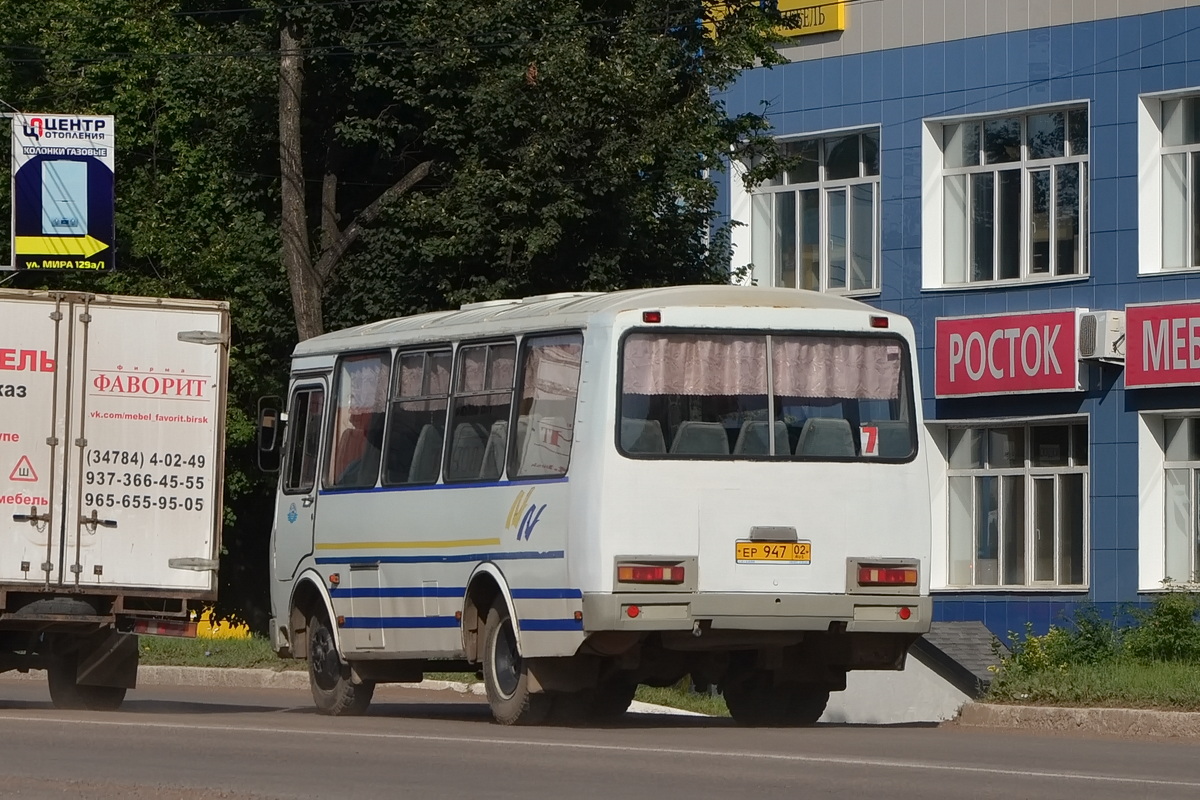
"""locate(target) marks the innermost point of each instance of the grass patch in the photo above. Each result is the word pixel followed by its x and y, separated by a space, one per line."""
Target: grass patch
pixel 251 653
pixel 1117 684
pixel 682 697
pixel 1141 658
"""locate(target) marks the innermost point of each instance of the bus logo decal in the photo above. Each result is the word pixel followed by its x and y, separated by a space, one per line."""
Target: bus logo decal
pixel 527 521
pixel 292 513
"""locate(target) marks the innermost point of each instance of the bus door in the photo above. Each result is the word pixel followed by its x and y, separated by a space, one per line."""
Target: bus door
pixel 297 499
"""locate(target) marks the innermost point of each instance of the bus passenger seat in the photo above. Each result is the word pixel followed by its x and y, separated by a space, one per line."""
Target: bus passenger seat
pixel 493 453
pixel 753 439
pixel 895 439
pixel 642 436
pixel 700 438
pixel 825 436
pixel 466 451
pixel 427 455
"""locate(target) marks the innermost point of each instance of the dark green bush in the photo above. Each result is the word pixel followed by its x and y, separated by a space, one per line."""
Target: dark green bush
pixel 1168 630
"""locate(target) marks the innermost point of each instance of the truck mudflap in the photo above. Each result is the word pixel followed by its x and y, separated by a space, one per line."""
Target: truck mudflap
pixel 109 658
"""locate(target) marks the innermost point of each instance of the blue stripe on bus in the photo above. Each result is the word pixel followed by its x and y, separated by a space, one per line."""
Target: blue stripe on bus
pixel 551 624
pixel 451 591
pixel 399 622
pixel 546 594
pixel 458 558
pixel 537 625
pixel 435 486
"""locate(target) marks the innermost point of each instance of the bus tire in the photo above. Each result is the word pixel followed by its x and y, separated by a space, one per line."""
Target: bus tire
pixel 505 676
pixel 68 694
pixel 334 693
pixel 756 700
pixel 611 700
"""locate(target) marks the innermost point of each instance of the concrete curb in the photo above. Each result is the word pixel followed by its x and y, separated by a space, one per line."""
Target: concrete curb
pixel 1113 721
pixel 296 679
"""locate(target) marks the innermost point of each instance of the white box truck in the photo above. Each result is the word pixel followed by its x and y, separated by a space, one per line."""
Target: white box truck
pixel 112 429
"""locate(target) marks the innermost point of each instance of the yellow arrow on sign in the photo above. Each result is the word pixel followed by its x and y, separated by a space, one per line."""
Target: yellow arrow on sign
pixel 86 246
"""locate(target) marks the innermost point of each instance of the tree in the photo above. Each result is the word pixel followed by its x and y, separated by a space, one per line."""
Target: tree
pixel 514 147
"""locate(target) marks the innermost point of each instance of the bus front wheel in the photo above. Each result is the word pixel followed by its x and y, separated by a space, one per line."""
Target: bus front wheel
pixel 333 691
pixel 505 676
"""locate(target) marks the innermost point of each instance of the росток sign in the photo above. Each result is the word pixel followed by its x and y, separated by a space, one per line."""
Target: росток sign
pixel 1007 354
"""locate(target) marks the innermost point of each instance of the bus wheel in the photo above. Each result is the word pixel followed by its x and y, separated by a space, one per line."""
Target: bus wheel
pixel 612 699
pixel 757 700
pixel 329 678
pixel 504 674
pixel 67 693
pixel 804 704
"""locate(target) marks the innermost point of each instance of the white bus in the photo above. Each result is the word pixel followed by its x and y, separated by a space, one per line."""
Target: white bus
pixel 577 494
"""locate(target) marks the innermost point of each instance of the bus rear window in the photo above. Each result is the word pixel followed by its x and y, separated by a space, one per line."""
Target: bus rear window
pixel 747 395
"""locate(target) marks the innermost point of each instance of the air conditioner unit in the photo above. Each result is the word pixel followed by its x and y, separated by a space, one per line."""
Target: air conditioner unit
pixel 1102 336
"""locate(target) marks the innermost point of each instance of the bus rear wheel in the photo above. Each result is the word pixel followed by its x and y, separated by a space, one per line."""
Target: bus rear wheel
pixel 756 700
pixel 505 676
pixel 333 691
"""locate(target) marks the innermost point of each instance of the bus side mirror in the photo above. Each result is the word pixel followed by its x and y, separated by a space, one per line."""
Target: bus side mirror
pixel 270 432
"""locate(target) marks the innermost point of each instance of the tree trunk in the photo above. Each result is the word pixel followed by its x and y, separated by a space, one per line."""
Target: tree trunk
pixel 306 285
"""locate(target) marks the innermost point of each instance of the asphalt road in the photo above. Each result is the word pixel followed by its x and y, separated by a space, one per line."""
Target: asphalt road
pixel 192 743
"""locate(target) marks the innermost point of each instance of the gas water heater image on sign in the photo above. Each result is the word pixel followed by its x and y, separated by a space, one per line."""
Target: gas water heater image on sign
pixel 64 198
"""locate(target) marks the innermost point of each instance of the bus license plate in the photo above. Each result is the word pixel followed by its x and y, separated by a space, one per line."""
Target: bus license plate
pixel 748 552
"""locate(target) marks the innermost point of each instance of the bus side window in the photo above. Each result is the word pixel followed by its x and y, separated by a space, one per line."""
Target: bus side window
pixel 357 440
pixel 483 386
pixel 418 418
pixel 548 392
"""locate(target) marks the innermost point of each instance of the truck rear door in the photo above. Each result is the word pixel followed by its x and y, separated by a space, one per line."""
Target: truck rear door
pixel 134 481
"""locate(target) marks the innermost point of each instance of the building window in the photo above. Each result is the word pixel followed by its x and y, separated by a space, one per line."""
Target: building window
pixel 1179 124
pixel 1017 505
pixel 1015 197
pixel 1181 526
pixel 816 226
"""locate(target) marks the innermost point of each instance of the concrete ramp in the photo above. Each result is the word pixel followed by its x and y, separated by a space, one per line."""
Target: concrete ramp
pixel 946 668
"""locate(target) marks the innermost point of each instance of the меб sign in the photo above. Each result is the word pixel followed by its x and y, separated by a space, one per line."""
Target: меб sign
pixel 1162 345
pixel 1007 354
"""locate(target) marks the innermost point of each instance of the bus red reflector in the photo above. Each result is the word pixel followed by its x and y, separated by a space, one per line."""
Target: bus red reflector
pixel 632 611
pixel 652 317
pixel 905 612
pixel 165 627
pixel 879 322
pixel 629 573
pixel 887 576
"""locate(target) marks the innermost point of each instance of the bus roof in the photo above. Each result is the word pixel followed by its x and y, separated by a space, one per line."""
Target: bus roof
pixel 565 310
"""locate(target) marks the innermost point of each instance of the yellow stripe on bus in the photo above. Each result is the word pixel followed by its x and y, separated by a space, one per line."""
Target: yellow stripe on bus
pixel 407 545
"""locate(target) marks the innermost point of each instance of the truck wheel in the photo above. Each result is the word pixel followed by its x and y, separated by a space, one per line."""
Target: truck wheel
pixel 505 676
pixel 329 677
pixel 68 694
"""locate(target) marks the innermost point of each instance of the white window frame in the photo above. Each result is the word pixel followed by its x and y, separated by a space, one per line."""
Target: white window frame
pixel 1152 494
pixel 742 214
pixel 937 442
pixel 933 200
pixel 1150 184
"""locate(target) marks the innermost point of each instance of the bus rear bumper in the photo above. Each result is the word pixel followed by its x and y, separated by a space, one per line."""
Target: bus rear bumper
pixel 861 613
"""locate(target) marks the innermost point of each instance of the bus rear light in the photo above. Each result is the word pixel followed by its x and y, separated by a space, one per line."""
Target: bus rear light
pixel 652 317
pixel 630 573
pixel 887 576
pixel 165 627
pixel 632 611
pixel 879 322
pixel 904 613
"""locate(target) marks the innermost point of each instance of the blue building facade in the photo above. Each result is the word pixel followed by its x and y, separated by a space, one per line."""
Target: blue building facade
pixel 1021 178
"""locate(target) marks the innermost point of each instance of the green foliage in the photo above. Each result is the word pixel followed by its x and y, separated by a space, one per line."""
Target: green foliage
pixel 1087 661
pixel 1168 630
